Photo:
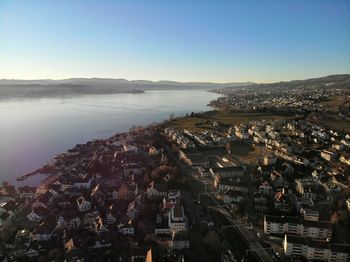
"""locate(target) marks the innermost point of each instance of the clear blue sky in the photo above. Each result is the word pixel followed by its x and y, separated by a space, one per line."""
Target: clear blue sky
pixel 195 40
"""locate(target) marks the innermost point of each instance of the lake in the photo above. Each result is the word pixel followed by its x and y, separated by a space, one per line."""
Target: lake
pixel 33 131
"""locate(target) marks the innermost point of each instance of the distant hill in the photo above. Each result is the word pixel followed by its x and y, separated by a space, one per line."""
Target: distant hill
pixel 79 86
pixel 338 80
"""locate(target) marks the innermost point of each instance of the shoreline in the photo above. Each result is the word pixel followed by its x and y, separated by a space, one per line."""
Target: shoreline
pixel 210 114
pixel 113 113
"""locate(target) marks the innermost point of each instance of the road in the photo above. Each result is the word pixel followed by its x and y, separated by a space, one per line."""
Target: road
pixel 237 235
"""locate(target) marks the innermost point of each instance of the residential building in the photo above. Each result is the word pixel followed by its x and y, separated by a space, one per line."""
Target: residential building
pixel 176 219
pixel 297 226
pixel 224 172
pixel 83 204
pixel 312 249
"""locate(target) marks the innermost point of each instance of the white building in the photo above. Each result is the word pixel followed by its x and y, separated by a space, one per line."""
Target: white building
pixel 297 226
pixel 224 172
pixel 72 222
pixel 176 219
pixel 83 205
pixel 312 249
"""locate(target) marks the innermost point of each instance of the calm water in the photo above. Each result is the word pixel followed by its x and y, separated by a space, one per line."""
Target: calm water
pixel 33 131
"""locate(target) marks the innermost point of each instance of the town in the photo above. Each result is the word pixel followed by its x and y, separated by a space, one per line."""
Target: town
pixel 267 189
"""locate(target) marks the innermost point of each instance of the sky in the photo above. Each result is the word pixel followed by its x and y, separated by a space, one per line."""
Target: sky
pixel 199 40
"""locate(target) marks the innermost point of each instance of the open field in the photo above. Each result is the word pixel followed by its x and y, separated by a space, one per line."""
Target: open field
pixel 335 124
pixel 333 121
pixel 243 152
pixel 247 153
pixel 230 118
pixel 334 102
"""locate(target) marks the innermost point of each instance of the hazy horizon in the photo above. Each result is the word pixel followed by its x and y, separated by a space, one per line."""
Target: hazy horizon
pixel 167 80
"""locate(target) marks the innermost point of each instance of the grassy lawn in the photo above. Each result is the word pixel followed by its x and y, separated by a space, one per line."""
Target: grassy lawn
pixel 246 153
pixel 230 118
pixel 241 151
pixel 240 148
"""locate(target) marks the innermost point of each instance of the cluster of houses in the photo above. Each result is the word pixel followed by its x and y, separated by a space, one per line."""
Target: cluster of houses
pixel 182 140
pixel 302 169
pixel 189 139
pixel 105 196
pixel 94 201
pixel 207 138
pixel 279 98
pixel 8 211
pixel 307 238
